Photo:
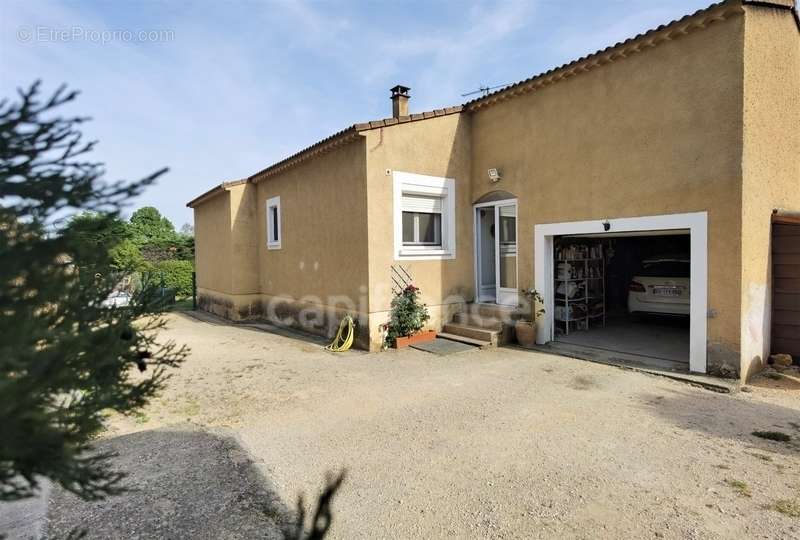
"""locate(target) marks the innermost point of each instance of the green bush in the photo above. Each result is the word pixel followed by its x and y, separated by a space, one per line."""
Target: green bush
pixel 175 275
pixel 408 315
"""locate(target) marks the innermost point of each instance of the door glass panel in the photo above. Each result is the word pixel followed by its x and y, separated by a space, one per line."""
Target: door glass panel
pixel 508 247
pixel 486 251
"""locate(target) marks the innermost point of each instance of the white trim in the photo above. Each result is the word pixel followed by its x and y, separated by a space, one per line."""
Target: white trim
pixel 696 222
pixel 418 184
pixel 274 202
pixel 511 295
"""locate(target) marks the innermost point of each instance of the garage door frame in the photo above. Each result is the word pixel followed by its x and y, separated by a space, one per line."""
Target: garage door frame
pixel 695 222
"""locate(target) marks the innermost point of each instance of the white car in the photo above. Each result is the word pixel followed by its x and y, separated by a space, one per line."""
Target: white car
pixel 661 286
pixel 117 299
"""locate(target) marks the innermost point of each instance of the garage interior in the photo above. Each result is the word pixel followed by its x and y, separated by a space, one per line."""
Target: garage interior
pixel 595 274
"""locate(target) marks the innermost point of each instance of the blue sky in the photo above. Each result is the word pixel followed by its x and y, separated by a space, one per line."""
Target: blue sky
pixel 242 84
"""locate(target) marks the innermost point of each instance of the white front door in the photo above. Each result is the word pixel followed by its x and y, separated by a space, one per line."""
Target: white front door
pixel 496 252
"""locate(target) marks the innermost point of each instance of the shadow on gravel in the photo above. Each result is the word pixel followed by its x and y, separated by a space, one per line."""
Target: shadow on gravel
pixel 184 483
pixel 724 416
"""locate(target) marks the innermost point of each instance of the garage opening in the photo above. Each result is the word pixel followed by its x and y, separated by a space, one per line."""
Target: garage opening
pixel 625 293
pixel 626 247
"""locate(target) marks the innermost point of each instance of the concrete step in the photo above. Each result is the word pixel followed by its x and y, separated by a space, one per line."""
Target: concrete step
pixel 473 332
pixel 502 313
pixel 463 339
pixel 477 320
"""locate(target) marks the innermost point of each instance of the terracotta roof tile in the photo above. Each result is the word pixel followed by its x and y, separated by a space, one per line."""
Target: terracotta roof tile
pixel 585 63
pixel 348 134
pixel 603 56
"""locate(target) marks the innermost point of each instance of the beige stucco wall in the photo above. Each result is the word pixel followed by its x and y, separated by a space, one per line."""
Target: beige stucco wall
pixel 244 240
pixel 770 162
pixel 658 132
pixel 212 220
pixel 226 258
pixel 672 129
pixel 321 267
pixel 436 147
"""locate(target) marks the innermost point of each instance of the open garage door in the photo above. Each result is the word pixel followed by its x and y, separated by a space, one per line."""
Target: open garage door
pixel 662 286
pixel 625 293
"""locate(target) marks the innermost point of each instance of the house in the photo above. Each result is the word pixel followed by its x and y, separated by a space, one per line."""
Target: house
pixel 682 140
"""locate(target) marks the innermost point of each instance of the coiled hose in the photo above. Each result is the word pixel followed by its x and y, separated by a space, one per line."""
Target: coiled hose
pixel 342 342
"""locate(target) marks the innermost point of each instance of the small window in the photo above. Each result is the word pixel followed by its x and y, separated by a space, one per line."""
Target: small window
pixel 274 223
pixel 424 217
pixel 422 221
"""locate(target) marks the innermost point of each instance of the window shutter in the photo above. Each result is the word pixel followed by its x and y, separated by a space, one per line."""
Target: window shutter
pixel 416 203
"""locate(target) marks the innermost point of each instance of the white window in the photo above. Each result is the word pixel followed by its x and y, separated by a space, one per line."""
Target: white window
pixel 274 223
pixel 424 217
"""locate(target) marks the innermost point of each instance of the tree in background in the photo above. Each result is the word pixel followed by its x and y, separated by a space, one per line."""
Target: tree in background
pixel 148 226
pixel 187 229
pixel 156 238
pixel 116 238
pixel 64 358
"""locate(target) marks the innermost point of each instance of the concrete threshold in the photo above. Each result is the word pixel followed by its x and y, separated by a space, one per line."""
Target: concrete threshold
pixel 641 364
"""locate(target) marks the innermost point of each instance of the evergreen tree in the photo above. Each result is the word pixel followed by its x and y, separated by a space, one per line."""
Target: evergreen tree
pixel 64 358
pixel 148 226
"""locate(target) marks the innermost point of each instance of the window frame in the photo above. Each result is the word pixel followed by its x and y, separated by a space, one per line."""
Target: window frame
pixel 426 186
pixel 273 202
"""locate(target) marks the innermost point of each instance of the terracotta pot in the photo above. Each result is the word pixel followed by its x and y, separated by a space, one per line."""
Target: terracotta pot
pixel 526 333
pixel 419 337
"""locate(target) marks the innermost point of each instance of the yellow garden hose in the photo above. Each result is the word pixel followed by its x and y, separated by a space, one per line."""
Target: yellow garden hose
pixel 341 344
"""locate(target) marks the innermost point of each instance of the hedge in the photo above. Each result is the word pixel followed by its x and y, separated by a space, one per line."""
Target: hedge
pixel 176 275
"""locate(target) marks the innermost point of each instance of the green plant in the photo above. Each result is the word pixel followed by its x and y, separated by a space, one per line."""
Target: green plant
pixel 534 298
pixel 148 226
pixel 65 358
pixel 175 275
pixel 740 487
pixel 786 507
pixel 408 315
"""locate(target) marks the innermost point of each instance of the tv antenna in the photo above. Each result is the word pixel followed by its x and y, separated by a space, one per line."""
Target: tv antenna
pixel 485 90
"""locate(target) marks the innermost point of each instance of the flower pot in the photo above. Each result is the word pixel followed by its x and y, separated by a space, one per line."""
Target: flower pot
pixel 419 337
pixel 526 333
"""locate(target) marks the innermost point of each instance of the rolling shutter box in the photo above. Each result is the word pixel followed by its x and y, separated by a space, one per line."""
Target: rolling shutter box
pixel 417 203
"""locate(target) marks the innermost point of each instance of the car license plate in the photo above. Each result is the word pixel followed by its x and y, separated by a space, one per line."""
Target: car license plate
pixel 666 291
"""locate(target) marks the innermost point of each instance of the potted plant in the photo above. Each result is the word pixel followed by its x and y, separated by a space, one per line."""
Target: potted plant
pixel 408 317
pixel 526 330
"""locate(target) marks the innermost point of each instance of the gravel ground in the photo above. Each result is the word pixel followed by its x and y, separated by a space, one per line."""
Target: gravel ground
pixel 502 443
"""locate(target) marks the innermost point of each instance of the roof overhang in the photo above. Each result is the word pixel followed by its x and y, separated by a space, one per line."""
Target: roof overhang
pixel 699 20
pixel 213 192
pixel 345 136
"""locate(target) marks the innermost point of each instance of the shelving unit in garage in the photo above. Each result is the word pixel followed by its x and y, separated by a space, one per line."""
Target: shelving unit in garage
pixel 579 287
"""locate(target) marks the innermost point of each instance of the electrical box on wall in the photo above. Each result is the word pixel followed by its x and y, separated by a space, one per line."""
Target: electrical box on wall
pixel 494 175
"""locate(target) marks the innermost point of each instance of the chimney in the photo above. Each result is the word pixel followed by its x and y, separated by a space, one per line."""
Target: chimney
pixel 400 101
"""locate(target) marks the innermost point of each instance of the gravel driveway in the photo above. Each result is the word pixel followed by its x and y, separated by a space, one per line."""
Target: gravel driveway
pixel 502 443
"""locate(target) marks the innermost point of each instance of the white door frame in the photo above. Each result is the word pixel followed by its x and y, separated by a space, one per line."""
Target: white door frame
pixel 476 237
pixel 696 223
